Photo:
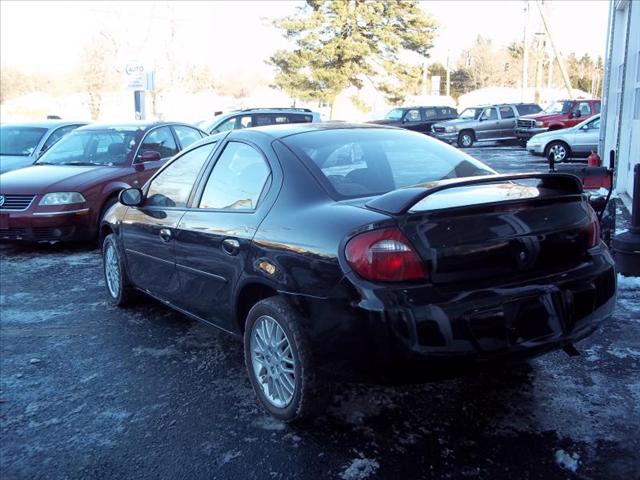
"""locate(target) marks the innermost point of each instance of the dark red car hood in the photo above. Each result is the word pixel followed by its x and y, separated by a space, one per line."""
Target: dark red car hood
pixel 544 116
pixel 55 178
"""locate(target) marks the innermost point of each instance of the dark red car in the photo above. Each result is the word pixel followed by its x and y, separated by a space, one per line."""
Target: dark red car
pixel 65 194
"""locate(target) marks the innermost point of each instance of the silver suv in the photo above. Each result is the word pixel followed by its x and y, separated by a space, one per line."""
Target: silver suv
pixel 489 122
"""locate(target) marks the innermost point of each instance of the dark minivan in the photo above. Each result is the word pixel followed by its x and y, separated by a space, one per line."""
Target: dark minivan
pixel 418 119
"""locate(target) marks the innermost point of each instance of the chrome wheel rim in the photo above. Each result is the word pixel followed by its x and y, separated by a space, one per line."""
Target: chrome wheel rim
pixel 112 270
pixel 559 152
pixel 273 362
pixel 466 140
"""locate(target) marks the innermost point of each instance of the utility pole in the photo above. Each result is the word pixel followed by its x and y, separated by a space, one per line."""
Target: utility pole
pixel 448 77
pixel 565 77
pixel 539 65
pixel 525 53
pixel 549 50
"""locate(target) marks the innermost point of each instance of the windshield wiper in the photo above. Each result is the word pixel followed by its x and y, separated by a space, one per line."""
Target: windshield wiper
pixel 82 164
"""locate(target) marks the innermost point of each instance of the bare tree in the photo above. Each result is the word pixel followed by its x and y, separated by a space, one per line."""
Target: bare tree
pixel 98 73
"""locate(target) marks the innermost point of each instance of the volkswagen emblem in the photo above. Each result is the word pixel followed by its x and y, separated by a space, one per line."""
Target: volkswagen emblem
pixel 1 200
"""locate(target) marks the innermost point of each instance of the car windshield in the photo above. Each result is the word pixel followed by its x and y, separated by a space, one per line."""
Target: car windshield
pixel 365 162
pixel 558 107
pixel 470 113
pixel 395 114
pixel 110 147
pixel 20 141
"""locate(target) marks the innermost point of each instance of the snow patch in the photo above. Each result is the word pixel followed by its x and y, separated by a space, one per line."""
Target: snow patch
pixel 568 461
pixel 269 423
pixel 155 352
pixel 230 455
pixel 360 468
pixel 624 352
pixel 628 283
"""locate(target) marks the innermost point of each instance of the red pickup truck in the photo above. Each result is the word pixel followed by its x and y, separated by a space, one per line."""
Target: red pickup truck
pixel 561 114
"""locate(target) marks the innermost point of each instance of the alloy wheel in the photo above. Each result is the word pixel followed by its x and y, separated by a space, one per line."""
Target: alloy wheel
pixel 272 361
pixel 112 270
pixel 559 152
pixel 466 140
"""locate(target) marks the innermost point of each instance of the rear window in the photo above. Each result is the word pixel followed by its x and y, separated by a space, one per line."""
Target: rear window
pixel 528 109
pixel 365 162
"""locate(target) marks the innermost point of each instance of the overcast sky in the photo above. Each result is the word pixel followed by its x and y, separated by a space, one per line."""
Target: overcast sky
pixel 229 36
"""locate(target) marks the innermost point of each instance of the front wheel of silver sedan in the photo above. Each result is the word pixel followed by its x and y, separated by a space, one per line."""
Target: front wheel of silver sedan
pixel 279 361
pixel 119 289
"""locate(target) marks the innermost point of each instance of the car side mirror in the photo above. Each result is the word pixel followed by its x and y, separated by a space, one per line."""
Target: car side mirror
pixel 149 156
pixel 577 114
pixel 131 197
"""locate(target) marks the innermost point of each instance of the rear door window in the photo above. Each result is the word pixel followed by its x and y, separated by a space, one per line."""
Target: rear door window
pixel 186 135
pixel 429 113
pixel 237 180
pixel 506 112
pixel 159 140
pixel 412 115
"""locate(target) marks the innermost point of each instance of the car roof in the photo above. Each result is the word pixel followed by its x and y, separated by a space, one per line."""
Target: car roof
pixel 45 123
pixel 137 124
pixel 428 106
pixel 286 129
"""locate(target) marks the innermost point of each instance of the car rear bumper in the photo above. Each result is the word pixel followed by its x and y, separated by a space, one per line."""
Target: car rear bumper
pixel 52 226
pixel 425 323
pixel 527 133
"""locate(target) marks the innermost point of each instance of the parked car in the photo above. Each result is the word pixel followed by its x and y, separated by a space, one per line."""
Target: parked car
pixel 558 115
pixel 490 122
pixel 258 117
pixel 578 141
pixel 67 191
pixel 330 246
pixel 22 143
pixel 418 119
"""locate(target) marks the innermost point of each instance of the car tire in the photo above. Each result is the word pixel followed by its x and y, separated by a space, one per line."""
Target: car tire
pixel 119 288
pixel 466 139
pixel 286 384
pixel 560 149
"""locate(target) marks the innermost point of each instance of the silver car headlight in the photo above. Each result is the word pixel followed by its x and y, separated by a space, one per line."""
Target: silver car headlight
pixel 451 129
pixel 62 198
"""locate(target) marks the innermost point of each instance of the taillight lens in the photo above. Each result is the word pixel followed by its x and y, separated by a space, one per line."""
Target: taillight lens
pixel 385 256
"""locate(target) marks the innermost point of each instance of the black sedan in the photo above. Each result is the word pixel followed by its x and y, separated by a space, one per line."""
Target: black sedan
pixel 332 246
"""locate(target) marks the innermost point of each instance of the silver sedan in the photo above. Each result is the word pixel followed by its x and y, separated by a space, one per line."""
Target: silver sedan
pixel 578 141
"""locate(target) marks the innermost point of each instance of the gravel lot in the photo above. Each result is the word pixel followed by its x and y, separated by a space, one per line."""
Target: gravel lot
pixel 90 391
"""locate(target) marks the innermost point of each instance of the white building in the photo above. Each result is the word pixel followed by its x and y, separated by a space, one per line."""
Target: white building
pixel 621 110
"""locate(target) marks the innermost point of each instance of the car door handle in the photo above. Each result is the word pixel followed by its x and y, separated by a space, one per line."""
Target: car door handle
pixel 231 246
pixel 165 235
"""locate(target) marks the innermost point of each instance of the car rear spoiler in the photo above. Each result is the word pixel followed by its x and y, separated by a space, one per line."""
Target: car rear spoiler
pixel 400 201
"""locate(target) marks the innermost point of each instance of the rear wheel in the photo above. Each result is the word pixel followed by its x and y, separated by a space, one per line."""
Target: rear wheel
pixel 560 150
pixel 119 289
pixel 279 362
pixel 466 139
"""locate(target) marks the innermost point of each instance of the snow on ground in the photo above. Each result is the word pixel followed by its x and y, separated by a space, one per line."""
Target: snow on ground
pixel 568 461
pixel 629 283
pixel 360 468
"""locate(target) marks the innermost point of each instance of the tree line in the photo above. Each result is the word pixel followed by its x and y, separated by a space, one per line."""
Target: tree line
pixel 335 45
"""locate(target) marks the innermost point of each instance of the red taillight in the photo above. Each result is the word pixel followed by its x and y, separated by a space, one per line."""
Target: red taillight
pixel 385 256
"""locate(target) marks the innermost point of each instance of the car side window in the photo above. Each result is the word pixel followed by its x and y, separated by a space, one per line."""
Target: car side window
pixel 159 140
pixel 229 124
pixel 186 135
pixel 429 113
pixel 245 122
pixel 172 186
pixel 237 180
pixel 412 115
pixel 57 135
pixel 583 108
pixel 267 119
pixel 489 114
pixel 506 112
pixel 594 125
